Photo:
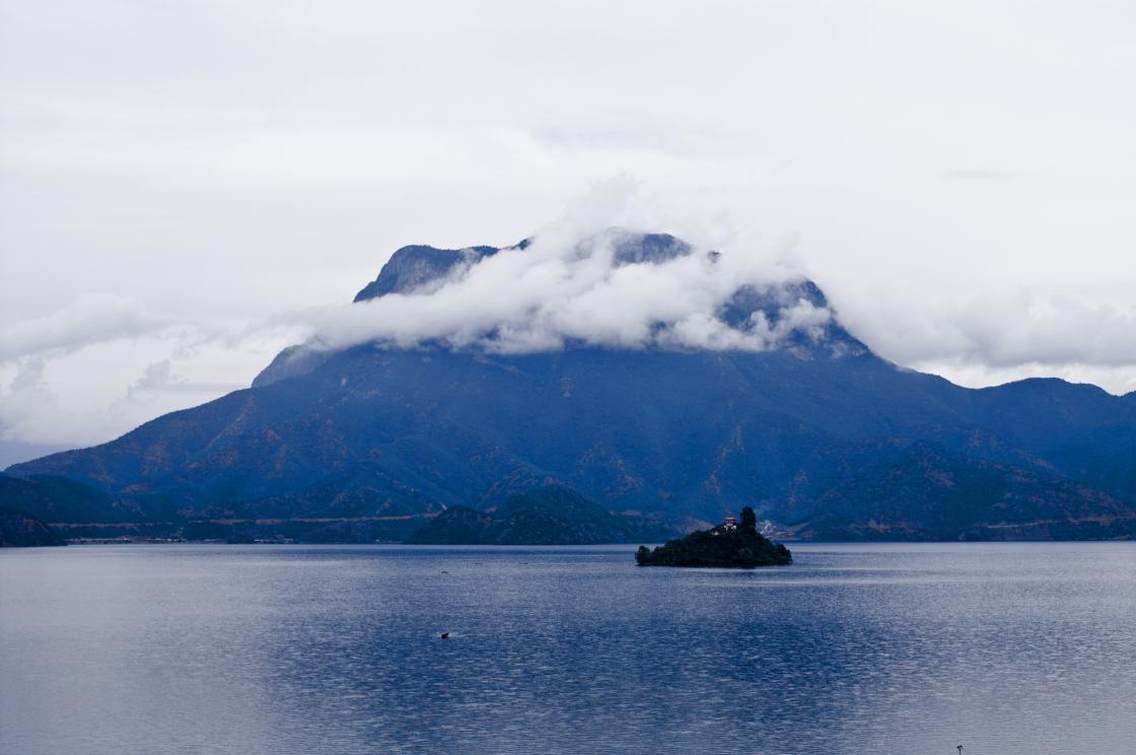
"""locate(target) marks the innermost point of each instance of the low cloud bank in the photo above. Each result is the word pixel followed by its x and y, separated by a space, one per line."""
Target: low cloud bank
pixel 89 320
pixel 1003 329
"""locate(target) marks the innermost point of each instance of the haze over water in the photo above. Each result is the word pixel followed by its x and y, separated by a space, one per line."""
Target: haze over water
pixel 1004 648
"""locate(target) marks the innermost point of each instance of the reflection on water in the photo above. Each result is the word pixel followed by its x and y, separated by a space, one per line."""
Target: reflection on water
pixel 1017 648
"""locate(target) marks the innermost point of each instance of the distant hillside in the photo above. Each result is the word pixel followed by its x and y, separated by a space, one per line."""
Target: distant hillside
pixel 548 515
pixel 18 529
pixel 59 499
pixel 821 437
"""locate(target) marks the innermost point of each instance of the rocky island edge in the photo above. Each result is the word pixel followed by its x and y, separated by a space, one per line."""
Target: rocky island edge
pixel 731 544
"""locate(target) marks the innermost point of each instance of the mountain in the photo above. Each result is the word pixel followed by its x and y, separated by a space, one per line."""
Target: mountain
pixel 412 267
pixel 15 451
pixel 59 499
pixel 820 436
pixel 49 497
pixel 545 515
pixel 18 529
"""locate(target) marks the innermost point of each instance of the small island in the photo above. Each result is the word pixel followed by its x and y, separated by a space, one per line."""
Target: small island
pixel 730 544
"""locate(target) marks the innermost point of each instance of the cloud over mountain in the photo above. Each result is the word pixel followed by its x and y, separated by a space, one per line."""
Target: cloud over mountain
pixel 571 284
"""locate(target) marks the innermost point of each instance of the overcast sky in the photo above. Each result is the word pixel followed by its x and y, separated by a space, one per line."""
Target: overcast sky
pixel 179 179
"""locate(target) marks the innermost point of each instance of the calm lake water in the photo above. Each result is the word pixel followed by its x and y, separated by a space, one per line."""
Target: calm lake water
pixel 1019 648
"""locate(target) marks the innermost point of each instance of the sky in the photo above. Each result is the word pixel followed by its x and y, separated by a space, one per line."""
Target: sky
pixel 187 187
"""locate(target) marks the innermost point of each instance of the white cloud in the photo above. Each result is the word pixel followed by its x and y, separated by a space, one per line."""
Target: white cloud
pixel 567 285
pixel 88 320
pixel 89 393
pixel 995 331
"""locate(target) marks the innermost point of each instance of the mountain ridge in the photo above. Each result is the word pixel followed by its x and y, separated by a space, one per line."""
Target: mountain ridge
pixel 804 433
pixel 543 515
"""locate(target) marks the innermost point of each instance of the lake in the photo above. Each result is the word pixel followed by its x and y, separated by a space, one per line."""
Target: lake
pixel 1003 648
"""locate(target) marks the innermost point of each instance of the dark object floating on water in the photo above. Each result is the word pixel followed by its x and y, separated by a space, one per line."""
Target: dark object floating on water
pixel 444 636
pixel 730 544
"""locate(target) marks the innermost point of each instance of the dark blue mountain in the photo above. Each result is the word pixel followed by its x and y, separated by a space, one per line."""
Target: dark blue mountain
pixel 412 267
pixel 823 438
pixel 54 499
pixel 19 530
pixel 545 515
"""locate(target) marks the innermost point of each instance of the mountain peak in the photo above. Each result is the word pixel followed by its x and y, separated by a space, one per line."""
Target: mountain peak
pixel 631 248
pixel 791 314
pixel 416 266
pixel 412 267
